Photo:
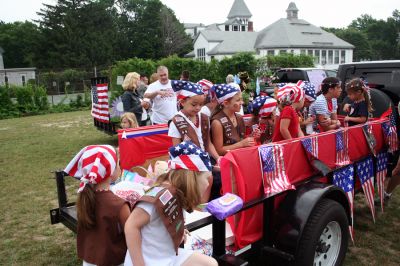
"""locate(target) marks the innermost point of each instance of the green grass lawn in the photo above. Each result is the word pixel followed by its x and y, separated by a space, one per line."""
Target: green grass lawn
pixel 32 147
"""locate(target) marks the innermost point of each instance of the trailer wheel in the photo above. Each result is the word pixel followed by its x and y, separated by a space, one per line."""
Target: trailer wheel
pixel 325 237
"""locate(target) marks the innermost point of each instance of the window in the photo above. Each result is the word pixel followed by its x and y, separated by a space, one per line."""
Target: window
pixel 323 57
pixel 271 52
pixel 316 56
pixel 336 56
pixel 282 51
pixel 243 28
pixel 23 80
pixel 302 51
pixel 330 57
pixel 310 52
pixel 226 27
pixel 201 54
pixel 235 28
pixel 292 51
pixel 342 56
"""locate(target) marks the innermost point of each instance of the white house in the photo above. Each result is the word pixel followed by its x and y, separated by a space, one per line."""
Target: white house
pixel 286 35
pixel 15 76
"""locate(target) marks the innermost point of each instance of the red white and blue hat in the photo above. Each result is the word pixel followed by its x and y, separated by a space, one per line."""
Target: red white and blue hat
pixel 290 93
pixel 224 91
pixel 184 89
pixel 187 155
pixel 309 90
pixel 264 104
pixel 92 164
pixel 206 84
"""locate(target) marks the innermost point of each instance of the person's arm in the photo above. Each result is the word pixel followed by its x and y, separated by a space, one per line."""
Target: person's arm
pixel 211 150
pixel 126 102
pixel 284 128
pixel 133 226
pixel 301 133
pixel 151 95
pixel 326 123
pixel 218 140
pixel 124 214
pixel 358 120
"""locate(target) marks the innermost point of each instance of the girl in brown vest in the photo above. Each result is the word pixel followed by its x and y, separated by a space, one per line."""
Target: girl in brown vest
pixel 155 229
pixel 189 123
pixel 227 126
pixel 101 214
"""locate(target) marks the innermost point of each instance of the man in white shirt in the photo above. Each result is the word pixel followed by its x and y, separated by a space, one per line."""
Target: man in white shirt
pixel 163 97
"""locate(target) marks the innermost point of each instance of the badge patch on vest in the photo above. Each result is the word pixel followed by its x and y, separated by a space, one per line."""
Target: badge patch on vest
pixel 165 197
pixel 224 120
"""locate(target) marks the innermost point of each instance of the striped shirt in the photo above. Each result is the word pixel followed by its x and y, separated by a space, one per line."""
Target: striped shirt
pixel 320 106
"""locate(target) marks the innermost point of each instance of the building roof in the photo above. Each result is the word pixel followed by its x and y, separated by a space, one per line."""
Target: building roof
pixel 230 42
pixel 292 7
pixel 213 27
pixel 239 9
pixel 297 33
pixel 192 25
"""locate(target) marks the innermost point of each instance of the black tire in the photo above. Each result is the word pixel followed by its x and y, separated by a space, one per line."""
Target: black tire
pixel 327 221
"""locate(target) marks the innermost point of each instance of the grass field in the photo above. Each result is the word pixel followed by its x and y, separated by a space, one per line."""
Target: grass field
pixel 32 147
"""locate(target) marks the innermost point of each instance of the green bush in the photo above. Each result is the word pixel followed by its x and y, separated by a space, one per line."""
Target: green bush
pixel 40 98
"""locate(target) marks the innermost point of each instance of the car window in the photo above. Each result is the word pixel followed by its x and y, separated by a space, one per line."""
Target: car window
pixel 290 76
pixel 316 76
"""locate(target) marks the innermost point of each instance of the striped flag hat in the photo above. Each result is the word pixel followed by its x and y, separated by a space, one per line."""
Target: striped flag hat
pixel 309 90
pixel 290 93
pixel 206 84
pixel 224 91
pixel 184 89
pixel 92 164
pixel 187 155
pixel 264 104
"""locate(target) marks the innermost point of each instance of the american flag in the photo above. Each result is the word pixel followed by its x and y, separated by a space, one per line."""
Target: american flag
pixel 390 132
pixel 365 172
pixel 100 108
pixel 344 178
pixel 311 145
pixel 275 179
pixel 342 147
pixel 381 170
pixel 369 135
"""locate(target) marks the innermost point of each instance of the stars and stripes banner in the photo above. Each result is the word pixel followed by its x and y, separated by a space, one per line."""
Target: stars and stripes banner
pixel 342 147
pixel 365 172
pixel 344 178
pixel 390 132
pixel 381 170
pixel 310 144
pixel 275 179
pixel 100 108
pixel 370 138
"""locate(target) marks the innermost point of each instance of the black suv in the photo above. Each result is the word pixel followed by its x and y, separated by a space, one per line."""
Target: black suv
pixel 383 78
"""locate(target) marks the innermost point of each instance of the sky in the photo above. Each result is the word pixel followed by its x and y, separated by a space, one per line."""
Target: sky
pixel 333 13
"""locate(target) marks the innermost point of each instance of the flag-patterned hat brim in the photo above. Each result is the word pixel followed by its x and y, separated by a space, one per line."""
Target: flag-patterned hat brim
pixel 187 155
pixel 224 92
pixel 185 89
pixel 309 90
pixel 92 164
pixel 290 93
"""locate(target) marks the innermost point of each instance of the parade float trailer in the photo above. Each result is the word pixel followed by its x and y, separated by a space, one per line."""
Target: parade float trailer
pixel 298 194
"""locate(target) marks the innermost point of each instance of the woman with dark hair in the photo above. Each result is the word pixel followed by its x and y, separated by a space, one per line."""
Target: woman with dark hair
pixel 325 106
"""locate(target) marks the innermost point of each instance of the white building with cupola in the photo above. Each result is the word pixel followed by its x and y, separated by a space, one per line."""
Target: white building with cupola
pixel 286 35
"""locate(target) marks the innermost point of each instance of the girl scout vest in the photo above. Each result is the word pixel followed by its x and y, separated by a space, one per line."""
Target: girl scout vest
pixel 230 133
pixel 187 131
pixel 169 210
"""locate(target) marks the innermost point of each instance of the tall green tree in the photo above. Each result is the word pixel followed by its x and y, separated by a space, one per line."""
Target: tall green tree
pixel 19 41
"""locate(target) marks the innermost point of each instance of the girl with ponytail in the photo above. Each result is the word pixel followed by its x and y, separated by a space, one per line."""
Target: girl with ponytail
pixel 360 107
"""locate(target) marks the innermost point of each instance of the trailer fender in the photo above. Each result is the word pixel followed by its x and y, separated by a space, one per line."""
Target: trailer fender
pixel 294 210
